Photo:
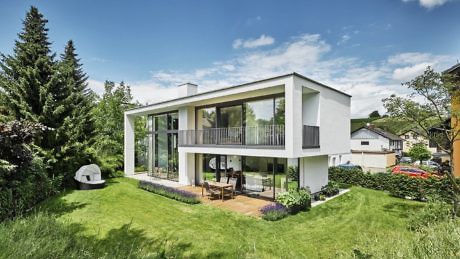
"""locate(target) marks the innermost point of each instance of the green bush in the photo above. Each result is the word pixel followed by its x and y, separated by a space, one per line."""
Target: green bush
pixel 433 213
pixel 111 166
pixel 295 200
pixel 23 180
pixel 331 189
pixel 398 185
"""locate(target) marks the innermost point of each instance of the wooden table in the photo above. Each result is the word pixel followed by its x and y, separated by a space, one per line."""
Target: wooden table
pixel 218 185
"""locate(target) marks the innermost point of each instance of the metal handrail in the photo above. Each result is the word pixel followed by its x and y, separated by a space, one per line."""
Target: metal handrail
pixel 264 135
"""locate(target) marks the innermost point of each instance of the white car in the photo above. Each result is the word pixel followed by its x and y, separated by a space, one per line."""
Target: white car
pixel 428 163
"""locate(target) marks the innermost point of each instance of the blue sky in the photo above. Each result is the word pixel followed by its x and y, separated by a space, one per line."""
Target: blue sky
pixel 366 48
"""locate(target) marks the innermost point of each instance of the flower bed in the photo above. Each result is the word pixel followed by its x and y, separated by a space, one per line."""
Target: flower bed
pixel 295 200
pixel 170 192
pixel 274 211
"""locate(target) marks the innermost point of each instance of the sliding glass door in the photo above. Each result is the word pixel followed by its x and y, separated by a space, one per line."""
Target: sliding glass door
pixel 164 145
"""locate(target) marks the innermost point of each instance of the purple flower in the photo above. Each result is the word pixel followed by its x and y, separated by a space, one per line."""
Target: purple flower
pixel 273 207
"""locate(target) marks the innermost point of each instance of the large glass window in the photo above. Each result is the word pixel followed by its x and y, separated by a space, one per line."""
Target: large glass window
pixel 163 145
pixel 206 118
pixel 259 113
pixel 231 117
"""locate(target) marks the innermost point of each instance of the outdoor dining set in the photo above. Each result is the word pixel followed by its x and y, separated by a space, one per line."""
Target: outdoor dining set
pixel 224 187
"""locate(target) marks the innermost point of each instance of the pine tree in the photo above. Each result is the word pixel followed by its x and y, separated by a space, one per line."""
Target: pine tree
pixel 76 133
pixel 37 88
pixel 27 75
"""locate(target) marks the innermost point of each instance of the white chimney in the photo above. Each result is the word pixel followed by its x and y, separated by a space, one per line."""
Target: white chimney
pixel 187 89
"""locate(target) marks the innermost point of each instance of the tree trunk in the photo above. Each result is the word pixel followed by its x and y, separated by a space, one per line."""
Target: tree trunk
pixel 455 187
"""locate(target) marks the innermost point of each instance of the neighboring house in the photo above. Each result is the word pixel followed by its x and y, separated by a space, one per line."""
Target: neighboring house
pixel 253 132
pixel 412 137
pixel 370 138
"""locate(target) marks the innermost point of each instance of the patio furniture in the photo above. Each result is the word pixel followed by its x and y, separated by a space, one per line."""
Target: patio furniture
pixel 88 177
pixel 233 182
pixel 223 179
pixel 211 192
pixel 213 186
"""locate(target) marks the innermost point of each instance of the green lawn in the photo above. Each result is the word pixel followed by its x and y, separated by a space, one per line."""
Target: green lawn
pixel 331 229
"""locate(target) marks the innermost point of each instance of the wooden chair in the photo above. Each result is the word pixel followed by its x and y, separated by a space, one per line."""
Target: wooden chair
pixel 223 179
pixel 210 192
pixel 231 192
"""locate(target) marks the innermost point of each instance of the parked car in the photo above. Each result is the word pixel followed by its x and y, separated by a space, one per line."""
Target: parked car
pixel 349 165
pixel 429 163
pixel 410 171
pixel 405 160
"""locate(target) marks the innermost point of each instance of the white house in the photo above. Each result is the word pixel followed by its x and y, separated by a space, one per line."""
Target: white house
pixel 254 131
pixel 370 138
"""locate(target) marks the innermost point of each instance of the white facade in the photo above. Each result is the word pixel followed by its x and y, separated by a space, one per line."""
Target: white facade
pixel 368 140
pixel 306 103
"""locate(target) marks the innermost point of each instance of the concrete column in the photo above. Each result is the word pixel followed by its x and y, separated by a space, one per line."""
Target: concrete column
pixel 129 144
pixel 186 160
pixel 293 116
pixel 314 172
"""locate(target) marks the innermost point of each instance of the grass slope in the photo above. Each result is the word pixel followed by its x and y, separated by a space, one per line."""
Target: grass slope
pixel 201 230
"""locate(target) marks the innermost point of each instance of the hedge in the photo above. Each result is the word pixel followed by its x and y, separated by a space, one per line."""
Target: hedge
pixel 398 185
pixel 170 192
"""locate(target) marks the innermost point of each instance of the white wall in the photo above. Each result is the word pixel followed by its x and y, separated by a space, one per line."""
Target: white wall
pixel 186 159
pixel 314 172
pixel 129 144
pixel 372 161
pixel 333 120
pixel 376 141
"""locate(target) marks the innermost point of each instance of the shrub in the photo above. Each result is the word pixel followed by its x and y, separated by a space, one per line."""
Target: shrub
pixel 331 189
pixel 274 211
pixel 398 185
pixel 433 213
pixel 23 180
pixel 170 192
pixel 295 200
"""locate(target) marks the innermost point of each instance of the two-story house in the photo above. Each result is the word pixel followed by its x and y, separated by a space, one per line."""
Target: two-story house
pixel 370 138
pixel 253 131
pixel 412 137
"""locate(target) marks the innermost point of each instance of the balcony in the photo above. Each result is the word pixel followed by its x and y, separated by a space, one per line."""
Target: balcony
pixel 259 136
pixel 310 137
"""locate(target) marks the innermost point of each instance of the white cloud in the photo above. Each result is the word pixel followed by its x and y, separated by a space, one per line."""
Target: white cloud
pixel 263 40
pixel 429 4
pixel 410 64
pixel 344 39
pixel 307 54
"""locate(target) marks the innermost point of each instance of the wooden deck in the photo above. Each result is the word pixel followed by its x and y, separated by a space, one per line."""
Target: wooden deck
pixel 240 203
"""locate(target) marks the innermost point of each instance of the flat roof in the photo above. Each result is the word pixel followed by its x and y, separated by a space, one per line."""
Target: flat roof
pixel 236 86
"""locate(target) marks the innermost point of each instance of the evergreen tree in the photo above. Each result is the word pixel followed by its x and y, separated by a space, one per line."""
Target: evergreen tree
pixel 28 74
pixel 35 87
pixel 76 132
